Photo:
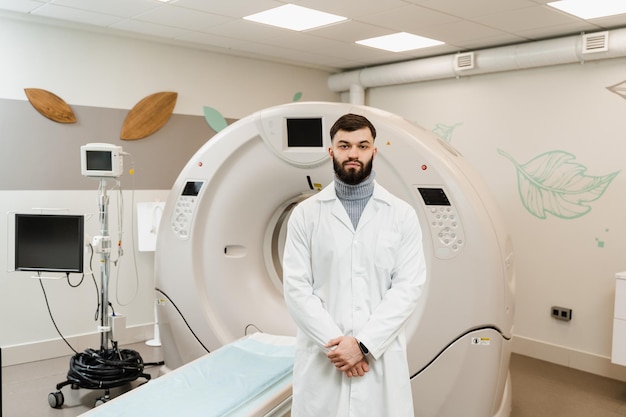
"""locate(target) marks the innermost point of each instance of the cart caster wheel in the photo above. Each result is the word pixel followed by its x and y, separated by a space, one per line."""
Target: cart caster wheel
pixel 100 401
pixel 56 399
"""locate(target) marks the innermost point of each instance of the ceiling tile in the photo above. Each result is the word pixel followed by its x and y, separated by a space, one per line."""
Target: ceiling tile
pixel 609 22
pixel 182 18
pixel 23 6
pixel 350 31
pixel 147 28
pixel 526 19
pixel 353 8
pixel 410 18
pixel 468 9
pixel 358 52
pixel 489 42
pixel 558 31
pixel 460 32
pixel 121 8
pixel 218 25
pixel 230 8
pixel 243 29
pixel 75 15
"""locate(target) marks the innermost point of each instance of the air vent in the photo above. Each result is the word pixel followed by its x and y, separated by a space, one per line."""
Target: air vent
pixel 595 42
pixel 464 61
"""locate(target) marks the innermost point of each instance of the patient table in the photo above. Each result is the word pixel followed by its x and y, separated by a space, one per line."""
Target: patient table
pixel 248 377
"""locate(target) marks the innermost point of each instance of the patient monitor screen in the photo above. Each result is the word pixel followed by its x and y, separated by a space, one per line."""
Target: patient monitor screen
pixel 304 133
pixel 434 197
pixel 99 161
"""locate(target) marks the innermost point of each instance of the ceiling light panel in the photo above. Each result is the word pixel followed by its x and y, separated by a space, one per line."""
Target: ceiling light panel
pixel 586 9
pixel 295 17
pixel 399 42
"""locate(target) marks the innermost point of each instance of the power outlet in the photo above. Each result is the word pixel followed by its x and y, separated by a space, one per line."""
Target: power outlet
pixel 561 313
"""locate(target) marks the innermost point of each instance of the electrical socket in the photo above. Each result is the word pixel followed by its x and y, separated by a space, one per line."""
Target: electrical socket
pixel 561 313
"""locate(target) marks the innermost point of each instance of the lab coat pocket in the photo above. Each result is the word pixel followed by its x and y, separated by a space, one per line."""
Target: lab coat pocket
pixel 387 247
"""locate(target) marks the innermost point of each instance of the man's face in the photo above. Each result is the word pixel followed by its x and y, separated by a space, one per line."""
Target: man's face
pixel 353 155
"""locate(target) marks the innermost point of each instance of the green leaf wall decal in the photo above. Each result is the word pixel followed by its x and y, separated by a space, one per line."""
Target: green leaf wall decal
pixel 297 96
pixel 214 118
pixel 444 132
pixel 553 183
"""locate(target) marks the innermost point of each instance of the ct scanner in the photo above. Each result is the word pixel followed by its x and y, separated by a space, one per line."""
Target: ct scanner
pixel 219 249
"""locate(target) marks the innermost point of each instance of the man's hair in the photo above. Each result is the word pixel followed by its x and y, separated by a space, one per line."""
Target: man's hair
pixel 351 122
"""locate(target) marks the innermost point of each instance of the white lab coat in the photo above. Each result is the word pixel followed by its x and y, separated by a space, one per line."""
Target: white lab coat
pixel 363 283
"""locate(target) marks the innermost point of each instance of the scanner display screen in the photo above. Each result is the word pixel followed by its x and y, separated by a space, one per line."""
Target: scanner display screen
pixel 434 197
pixel 192 188
pixel 304 133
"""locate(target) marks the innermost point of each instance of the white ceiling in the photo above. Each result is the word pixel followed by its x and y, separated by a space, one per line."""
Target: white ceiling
pixel 217 25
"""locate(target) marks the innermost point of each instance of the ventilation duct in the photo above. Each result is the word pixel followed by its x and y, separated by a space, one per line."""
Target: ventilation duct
pixel 464 61
pixel 557 51
pixel 595 42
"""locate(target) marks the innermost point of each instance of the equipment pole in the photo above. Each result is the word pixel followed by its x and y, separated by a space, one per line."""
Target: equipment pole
pixel 104 266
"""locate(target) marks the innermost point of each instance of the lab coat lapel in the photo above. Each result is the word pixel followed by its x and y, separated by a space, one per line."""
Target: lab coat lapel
pixel 328 196
pixel 369 212
pixel 372 207
pixel 339 211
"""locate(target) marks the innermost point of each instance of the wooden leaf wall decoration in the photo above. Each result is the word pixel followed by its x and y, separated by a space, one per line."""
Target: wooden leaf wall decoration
pixel 148 116
pixel 50 105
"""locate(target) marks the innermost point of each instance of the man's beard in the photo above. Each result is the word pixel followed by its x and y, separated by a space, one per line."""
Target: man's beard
pixel 353 176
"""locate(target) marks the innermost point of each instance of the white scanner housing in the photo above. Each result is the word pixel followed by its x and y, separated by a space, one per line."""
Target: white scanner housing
pixel 219 249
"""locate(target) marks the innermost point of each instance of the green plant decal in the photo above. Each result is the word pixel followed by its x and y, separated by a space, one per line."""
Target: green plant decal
pixel 444 131
pixel 215 120
pixel 297 96
pixel 553 183
pixel 599 242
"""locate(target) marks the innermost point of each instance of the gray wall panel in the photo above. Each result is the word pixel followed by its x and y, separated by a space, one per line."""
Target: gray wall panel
pixel 39 154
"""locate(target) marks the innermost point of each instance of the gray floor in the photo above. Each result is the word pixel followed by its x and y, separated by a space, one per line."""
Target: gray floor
pixel 540 389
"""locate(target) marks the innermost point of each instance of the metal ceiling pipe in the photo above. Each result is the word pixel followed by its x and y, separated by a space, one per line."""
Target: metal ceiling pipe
pixel 557 51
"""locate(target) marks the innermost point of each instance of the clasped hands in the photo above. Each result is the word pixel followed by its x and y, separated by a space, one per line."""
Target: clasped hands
pixel 345 354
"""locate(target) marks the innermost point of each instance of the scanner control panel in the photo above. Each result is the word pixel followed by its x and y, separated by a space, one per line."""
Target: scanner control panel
pixel 444 223
pixel 185 208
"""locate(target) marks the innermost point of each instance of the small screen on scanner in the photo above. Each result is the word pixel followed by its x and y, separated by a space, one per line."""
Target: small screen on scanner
pixel 304 133
pixel 192 188
pixel 434 197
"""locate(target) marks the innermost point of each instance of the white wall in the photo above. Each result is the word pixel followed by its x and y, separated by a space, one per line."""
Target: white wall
pixel 568 262
pixel 92 69
pixel 88 68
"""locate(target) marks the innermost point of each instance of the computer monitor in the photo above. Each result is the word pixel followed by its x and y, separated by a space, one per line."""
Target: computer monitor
pixel 49 242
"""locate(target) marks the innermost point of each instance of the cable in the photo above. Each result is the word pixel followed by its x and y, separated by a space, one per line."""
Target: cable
pixel 185 320
pixel 83 276
pixel 132 235
pixel 159 363
pixel 105 369
pixel 101 369
pixel 442 351
pixel 67 275
pixel 95 283
pixel 52 318
pixel 245 331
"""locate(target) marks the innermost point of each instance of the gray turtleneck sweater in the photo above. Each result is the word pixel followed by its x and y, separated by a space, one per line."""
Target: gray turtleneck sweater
pixel 355 197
